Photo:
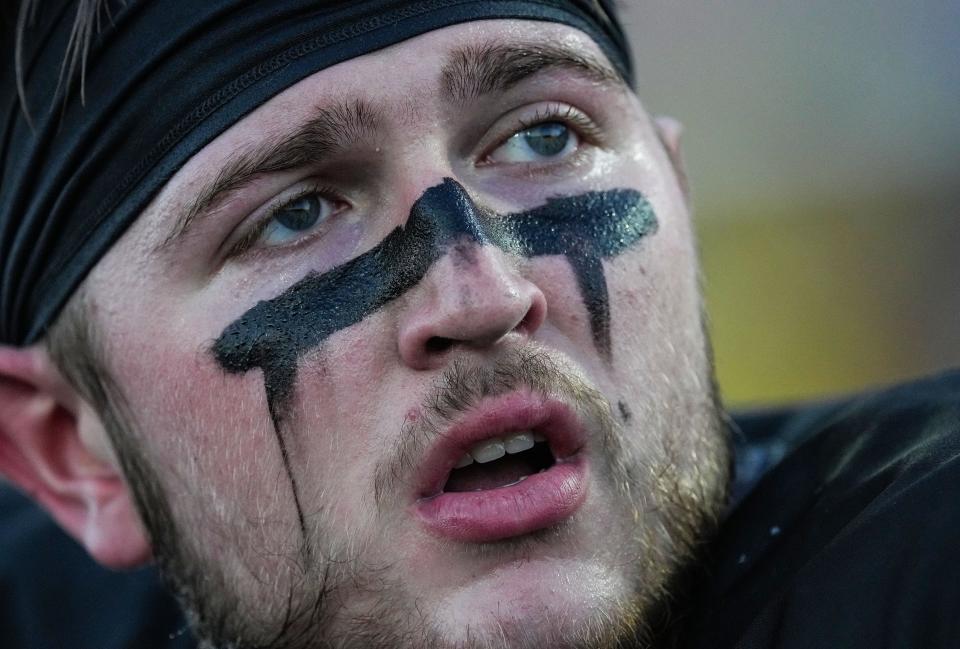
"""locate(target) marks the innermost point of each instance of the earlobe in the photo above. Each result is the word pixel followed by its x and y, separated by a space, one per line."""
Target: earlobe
pixel 69 472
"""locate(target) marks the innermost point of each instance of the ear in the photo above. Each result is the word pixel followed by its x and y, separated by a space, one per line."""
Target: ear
pixel 670 132
pixel 55 448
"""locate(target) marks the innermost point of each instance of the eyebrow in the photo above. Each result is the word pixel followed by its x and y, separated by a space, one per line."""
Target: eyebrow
pixel 473 71
pixel 331 130
pixel 469 73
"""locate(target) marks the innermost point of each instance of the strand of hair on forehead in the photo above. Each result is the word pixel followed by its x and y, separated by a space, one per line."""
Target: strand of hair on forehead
pixel 87 22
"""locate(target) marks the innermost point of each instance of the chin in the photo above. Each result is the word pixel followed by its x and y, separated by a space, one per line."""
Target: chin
pixel 536 603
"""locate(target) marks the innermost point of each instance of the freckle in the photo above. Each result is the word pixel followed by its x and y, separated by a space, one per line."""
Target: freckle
pixel 625 413
pixel 575 320
pixel 413 415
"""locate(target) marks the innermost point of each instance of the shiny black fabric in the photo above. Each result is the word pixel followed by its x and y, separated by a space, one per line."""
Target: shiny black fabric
pixel 852 539
pixel 163 79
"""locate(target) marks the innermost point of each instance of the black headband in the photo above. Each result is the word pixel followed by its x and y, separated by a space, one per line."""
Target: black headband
pixel 163 79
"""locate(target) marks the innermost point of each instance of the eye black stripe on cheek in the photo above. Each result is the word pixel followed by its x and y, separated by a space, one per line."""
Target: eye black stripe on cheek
pixel 587 229
pixel 584 228
pixel 307 313
pixel 274 334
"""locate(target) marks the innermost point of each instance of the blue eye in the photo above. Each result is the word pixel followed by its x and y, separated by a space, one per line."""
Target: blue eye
pixel 296 217
pixel 540 142
pixel 547 140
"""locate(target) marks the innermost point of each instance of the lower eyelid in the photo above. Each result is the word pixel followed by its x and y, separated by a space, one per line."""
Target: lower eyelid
pixel 545 170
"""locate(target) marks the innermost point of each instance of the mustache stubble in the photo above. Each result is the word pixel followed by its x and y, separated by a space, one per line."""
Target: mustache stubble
pixel 464 384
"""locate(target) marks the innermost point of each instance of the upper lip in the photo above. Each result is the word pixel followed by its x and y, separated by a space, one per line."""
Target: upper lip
pixel 497 417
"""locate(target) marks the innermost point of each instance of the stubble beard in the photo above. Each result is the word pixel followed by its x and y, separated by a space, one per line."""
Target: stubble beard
pixel 674 492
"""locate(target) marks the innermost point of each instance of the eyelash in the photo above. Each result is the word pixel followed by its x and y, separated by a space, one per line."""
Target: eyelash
pixel 585 128
pixel 250 238
pixel 568 114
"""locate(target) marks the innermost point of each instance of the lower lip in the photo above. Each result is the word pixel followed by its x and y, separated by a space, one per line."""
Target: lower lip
pixel 541 500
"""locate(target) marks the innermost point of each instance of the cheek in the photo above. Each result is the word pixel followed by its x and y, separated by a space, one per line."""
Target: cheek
pixel 654 288
pixel 661 362
pixel 347 411
pixel 656 308
pixel 337 393
pixel 207 432
pixel 568 323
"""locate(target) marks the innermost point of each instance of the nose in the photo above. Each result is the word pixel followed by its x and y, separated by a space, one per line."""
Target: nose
pixel 474 298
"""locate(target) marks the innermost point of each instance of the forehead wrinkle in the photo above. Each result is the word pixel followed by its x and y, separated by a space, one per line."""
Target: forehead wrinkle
pixel 332 129
pixel 473 71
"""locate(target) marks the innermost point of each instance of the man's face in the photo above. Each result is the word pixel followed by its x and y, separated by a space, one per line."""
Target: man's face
pixel 472 237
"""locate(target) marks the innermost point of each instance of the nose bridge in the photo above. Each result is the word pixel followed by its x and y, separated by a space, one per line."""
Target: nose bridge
pixel 448 217
pixel 472 280
pixel 474 275
pixel 473 294
pixel 469 267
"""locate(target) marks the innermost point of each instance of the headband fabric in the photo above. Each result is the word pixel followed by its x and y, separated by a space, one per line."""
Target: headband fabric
pixel 163 79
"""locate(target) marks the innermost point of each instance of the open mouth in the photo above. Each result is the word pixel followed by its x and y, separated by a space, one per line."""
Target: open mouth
pixel 514 465
pixel 500 462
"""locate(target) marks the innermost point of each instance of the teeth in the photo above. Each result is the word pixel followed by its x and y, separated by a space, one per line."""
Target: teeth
pixel 488 451
pixel 496 447
pixel 518 443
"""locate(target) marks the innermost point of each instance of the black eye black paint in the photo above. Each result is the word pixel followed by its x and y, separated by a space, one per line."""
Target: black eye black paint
pixel 274 334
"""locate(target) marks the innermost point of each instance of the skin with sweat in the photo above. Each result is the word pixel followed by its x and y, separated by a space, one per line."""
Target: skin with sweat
pixel 184 335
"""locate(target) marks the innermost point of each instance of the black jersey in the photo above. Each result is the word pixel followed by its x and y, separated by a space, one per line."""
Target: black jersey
pixel 853 539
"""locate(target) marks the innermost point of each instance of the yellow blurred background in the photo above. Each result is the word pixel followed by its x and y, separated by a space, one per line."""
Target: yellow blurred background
pixel 823 144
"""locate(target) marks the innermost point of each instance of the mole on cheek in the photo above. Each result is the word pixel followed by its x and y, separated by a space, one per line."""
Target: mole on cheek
pixel 625 413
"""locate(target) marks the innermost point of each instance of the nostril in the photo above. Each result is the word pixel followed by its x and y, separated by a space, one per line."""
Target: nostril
pixel 438 344
pixel 530 323
pixel 535 316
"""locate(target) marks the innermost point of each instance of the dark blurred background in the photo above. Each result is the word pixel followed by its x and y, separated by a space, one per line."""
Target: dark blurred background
pixel 823 144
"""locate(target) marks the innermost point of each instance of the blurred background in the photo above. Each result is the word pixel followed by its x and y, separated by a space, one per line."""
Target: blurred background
pixel 823 145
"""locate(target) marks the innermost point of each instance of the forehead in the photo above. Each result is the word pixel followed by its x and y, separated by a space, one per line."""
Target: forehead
pixel 404 81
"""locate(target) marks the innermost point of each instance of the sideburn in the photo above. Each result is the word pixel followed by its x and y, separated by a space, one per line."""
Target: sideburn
pixel 75 350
